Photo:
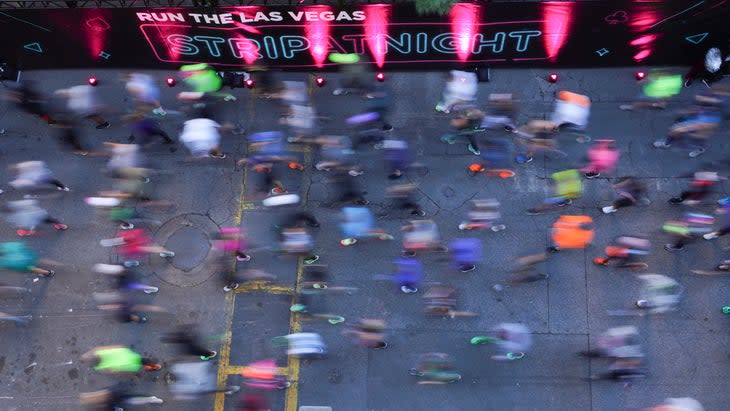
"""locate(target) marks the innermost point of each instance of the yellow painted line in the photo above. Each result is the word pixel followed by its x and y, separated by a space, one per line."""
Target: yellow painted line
pixel 263 286
pixel 230 306
pixel 299 148
pixel 238 369
pixel 248 206
pixel 225 351
pixel 295 326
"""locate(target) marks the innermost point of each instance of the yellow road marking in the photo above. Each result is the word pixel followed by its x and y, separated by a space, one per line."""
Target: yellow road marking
pixel 263 286
pixel 299 148
pixel 295 326
pixel 225 351
pixel 224 367
pixel 238 369
pixel 230 305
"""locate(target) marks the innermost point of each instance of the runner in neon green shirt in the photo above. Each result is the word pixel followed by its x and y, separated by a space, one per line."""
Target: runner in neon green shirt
pixel 118 359
pixel 656 92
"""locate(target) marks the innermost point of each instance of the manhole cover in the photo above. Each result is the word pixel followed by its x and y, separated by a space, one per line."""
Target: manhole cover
pixel 190 245
pixel 189 236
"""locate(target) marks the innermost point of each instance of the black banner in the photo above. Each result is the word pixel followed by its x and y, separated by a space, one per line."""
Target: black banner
pixel 597 34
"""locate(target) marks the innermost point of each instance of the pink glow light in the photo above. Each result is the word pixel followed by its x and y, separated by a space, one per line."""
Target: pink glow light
pixel 465 18
pixel 641 19
pixel 557 19
pixel 249 12
pixel 641 55
pixel 248 49
pixel 95 30
pixel 376 28
pixel 643 40
pixel 318 33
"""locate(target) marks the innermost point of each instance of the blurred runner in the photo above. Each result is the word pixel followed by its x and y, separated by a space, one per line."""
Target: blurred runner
pixel 421 235
pixel 461 88
pixel 115 398
pixel 513 340
pixel 483 213
pixel 27 214
pixel 134 244
pixel 495 154
pixel 693 131
pixel 298 242
pixel 201 78
pixel 627 250
pixel 33 175
pixel 397 155
pixel 126 278
pixel 723 213
pixel 335 152
pixel 303 345
pixel 537 136
pixel 435 368
pixel 403 196
pixel 678 404
pixel 629 191
pixel 253 402
pixel 359 223
pixel 567 186
pixel 267 149
pixel 408 274
pixel 348 189
pixel 26 96
pixel 187 339
pixel 658 88
pixel 617 342
pixel 622 368
pixel 379 100
pixel 466 253
pixel 571 110
pixel 119 360
pixel 265 375
pixel 525 270
pixel 688 229
pixel 602 158
pixel 123 307
pixel 230 241
pixel 143 90
pixel 709 69
pixel 369 333
pixel 501 112
pixel 145 127
pixel 16 256
pixel 467 124
pixel 572 232
pixel 82 101
pixel 702 184
pixel 190 380
pixel 353 74
pixel 659 293
pixel 202 137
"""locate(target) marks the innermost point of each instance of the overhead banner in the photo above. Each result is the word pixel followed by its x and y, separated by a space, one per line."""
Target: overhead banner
pixel 597 34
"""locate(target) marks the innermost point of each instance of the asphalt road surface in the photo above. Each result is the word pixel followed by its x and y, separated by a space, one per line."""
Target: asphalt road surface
pixel 687 350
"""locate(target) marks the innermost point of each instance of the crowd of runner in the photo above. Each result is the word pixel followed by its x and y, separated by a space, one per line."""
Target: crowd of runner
pixel 491 133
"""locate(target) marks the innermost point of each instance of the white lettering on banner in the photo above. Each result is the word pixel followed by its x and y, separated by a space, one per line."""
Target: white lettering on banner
pixel 288 46
pixel 161 17
pixel 251 17
pixel 296 16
